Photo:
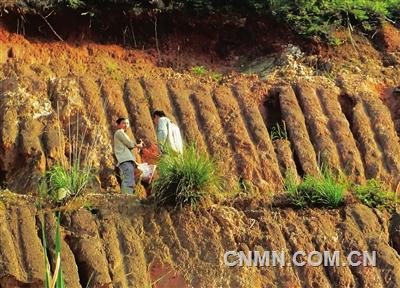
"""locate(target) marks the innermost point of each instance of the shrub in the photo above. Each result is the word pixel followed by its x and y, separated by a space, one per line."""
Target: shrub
pixel 374 194
pixel 323 190
pixel 321 17
pixel 185 179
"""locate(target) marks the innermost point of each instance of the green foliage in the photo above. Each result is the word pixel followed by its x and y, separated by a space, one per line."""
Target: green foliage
pixel 217 76
pixel 113 69
pixel 75 4
pixel 323 190
pixel 374 194
pixel 279 131
pixel 334 41
pixel 186 179
pixel 202 71
pixel 320 17
pixel 57 280
pixel 69 178
pixel 199 70
pixel 306 17
pixel 65 181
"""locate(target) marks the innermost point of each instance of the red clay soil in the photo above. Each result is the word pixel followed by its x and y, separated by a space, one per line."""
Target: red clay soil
pixel 92 84
pixel 120 243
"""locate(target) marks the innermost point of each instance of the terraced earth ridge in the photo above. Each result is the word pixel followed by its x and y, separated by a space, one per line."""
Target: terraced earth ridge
pixel 350 122
pixel 121 244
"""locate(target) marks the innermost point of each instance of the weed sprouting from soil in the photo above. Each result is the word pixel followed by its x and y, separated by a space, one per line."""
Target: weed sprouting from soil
pixel 375 194
pixel 69 178
pixel 322 190
pixel 57 279
pixel 199 70
pixel 279 131
pixel 202 71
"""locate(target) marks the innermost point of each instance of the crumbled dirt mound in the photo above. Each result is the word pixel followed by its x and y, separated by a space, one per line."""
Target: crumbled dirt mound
pixel 388 41
pixel 120 243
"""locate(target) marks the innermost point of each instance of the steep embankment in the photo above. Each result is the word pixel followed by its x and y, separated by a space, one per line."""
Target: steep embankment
pixel 119 243
pixel 339 109
pixel 343 123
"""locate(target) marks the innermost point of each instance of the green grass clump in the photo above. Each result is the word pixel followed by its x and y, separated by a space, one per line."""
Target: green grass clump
pixel 199 70
pixel 186 179
pixel 63 181
pixel 279 131
pixel 374 194
pixel 323 190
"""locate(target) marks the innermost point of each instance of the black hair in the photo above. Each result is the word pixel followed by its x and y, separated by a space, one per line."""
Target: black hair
pixel 120 119
pixel 158 113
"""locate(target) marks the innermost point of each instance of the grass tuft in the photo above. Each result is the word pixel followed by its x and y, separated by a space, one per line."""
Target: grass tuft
pixel 186 179
pixel 199 70
pixel 375 194
pixel 68 181
pixel 279 131
pixel 70 177
pixel 323 190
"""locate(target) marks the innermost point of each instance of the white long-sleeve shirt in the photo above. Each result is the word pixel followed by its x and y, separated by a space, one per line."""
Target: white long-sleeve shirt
pixel 162 132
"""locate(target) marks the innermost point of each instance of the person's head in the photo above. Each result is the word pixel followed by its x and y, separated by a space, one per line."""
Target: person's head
pixel 123 123
pixel 157 115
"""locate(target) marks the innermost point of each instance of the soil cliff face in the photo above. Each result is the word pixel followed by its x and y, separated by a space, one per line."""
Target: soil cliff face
pixel 340 108
pixel 118 243
pixel 46 87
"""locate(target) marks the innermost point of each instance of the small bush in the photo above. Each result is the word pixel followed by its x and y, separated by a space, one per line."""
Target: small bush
pixel 323 190
pixel 185 179
pixel 311 17
pixel 374 194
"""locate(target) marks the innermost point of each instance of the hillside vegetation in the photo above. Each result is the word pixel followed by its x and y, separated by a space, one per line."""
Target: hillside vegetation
pixel 307 18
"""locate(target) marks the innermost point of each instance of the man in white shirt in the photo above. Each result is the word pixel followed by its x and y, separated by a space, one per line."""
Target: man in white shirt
pixel 168 134
pixel 161 123
pixel 124 155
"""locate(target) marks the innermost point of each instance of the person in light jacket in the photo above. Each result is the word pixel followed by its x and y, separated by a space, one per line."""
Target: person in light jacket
pixel 161 123
pixel 126 160
pixel 169 138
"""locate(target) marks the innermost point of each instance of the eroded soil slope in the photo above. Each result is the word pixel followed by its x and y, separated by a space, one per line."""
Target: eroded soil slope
pixel 346 116
pixel 119 243
pixel 345 123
